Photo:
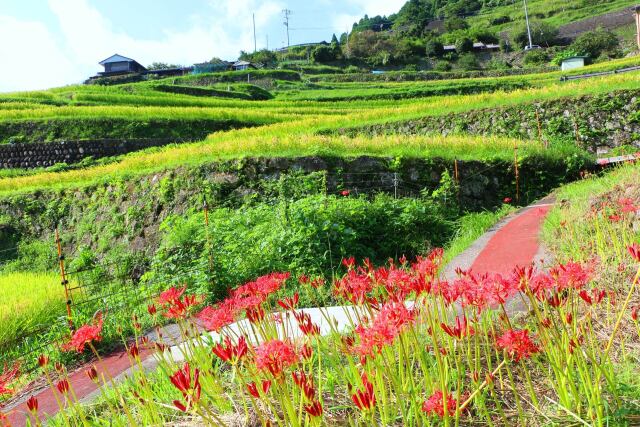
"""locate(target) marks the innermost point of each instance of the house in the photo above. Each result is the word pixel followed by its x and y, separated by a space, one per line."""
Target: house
pixel 118 64
pixel 574 62
pixel 243 65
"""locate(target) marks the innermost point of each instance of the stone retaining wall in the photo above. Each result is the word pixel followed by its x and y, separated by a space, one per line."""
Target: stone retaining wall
pixel 36 155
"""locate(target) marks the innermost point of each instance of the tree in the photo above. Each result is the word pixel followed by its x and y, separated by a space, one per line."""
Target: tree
pixel 464 45
pixel 455 23
pixel 542 34
pixel 263 56
pixel 536 57
pixel 162 66
pixel 323 54
pixel 434 48
pixel 334 40
pixel 468 62
pixel 597 43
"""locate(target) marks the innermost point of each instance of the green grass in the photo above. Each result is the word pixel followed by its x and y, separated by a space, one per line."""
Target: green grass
pixel 30 301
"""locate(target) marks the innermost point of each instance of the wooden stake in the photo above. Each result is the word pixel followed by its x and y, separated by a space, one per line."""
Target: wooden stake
pixel 64 280
pixel 517 172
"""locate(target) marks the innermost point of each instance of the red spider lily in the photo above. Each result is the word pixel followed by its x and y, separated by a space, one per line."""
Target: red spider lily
pixel 314 409
pixel 595 297
pixel 305 384
pixel 134 351
pixel 306 325
pixel 160 347
pixel 364 399
pixel 63 386
pixel 460 329
pixel 634 250
pixel 7 376
pixel 349 263
pixel 43 361
pixel 152 309
pixel 306 352
pixel 216 318
pixel 253 388
pixel 32 404
pixel 556 300
pixel 180 308
pixel 275 356
pixel 345 193
pixel 231 353
pixel 85 335
pixel 255 314
pixel 92 373
pixel 190 389
pixel 546 322
pixel 436 405
pixel 354 286
pixel 572 275
pixel 171 295
pixel 289 303
pixel 615 218
pixel 388 324
pixel 627 205
pixel 263 286
pixel 517 344
pixel 507 200
pixel 569 318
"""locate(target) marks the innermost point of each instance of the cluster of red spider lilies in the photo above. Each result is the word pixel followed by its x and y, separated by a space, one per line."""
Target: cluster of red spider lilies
pixel 414 350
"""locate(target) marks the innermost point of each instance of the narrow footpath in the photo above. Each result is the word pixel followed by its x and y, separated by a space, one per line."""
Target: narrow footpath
pixel 515 241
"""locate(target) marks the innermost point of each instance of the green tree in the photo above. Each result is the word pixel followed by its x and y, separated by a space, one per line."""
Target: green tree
pixel 323 54
pixel 162 66
pixel 468 62
pixel 597 43
pixel 464 45
pixel 542 34
pixel 455 23
pixel 434 49
pixel 536 57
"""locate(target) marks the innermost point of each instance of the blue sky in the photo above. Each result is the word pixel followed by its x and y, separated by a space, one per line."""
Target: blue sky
pixel 56 42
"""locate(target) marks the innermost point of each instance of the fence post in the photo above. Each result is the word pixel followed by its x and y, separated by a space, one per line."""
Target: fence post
pixel 64 280
pixel 517 172
pixel 205 208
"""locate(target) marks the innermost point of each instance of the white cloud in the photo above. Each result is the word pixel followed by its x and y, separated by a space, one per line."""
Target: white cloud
pixel 377 7
pixel 36 62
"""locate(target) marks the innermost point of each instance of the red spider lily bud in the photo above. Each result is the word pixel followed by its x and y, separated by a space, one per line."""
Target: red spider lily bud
pixel 92 373
pixel 134 351
pixel 634 313
pixel 32 404
pixel 364 399
pixel 145 342
pixel 255 314
pixel 306 352
pixel 634 250
pixel 556 300
pixel 345 193
pixel 317 282
pixel 595 298
pixel 314 409
pixel 403 260
pixel 134 321
pixel 252 388
pixel 303 279
pixel 137 396
pixel 305 384
pixel 507 200
pixel 152 309
pixel 443 351
pixel 622 267
pixel 63 386
pixel 161 348
pixel 546 322
pixel 475 376
pixel 180 405
pixel 289 303
pixel 229 352
pixel 43 360
pixel 59 367
pixel 348 341
pixel 307 326
pixel 349 262
pixel 489 378
pixel 569 318
pixel 459 330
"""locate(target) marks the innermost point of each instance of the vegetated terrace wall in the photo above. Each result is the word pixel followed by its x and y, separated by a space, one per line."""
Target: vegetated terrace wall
pixel 603 121
pixel 128 212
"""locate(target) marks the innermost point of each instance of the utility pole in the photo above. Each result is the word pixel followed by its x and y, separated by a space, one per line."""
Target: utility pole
pixel 286 13
pixel 267 41
pixel 526 15
pixel 255 42
pixel 637 13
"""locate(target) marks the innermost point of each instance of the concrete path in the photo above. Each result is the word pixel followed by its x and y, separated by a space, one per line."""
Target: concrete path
pixel 512 242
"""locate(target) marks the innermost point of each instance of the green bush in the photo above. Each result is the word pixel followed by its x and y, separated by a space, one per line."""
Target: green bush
pixel 468 62
pixel 542 34
pixel 309 235
pixel 464 45
pixel 597 43
pixel 536 57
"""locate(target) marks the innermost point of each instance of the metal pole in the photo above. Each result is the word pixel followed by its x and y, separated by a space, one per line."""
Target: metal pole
pixel 287 12
pixel 255 41
pixel 526 15
pixel 64 280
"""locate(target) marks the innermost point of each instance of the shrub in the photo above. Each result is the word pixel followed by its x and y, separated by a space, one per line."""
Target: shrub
pixel 597 43
pixel 468 62
pixel 455 23
pixel 434 49
pixel 442 66
pixel 464 45
pixel 500 20
pixel 536 57
pixel 322 54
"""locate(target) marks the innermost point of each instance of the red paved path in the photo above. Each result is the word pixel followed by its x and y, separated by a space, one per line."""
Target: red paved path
pixel 515 244
pixel 114 365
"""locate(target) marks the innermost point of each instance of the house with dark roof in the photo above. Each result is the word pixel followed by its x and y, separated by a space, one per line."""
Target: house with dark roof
pixel 244 65
pixel 118 64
